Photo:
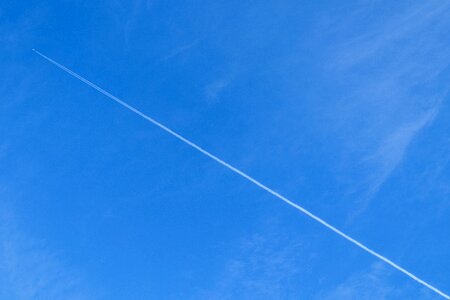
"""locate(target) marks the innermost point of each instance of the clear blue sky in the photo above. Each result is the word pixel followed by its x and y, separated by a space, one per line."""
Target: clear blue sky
pixel 341 106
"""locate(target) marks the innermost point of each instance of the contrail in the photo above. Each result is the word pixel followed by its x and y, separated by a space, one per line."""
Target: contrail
pixel 248 177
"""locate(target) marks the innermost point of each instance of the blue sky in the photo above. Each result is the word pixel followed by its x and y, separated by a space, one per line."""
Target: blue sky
pixel 341 106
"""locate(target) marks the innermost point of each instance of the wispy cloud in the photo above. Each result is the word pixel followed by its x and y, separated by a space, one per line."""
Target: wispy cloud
pixel 391 72
pixel 29 270
pixel 213 90
pixel 264 268
pixel 127 15
pixel 400 26
pixel 363 286
pixel 392 149
pixel 390 153
pixel 16 33
pixel 373 284
pixel 181 49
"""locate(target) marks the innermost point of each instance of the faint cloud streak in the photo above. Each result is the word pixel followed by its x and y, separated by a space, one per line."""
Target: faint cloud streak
pixel 180 50
pixel 264 269
pixel 30 271
pixel 390 71
pixel 373 284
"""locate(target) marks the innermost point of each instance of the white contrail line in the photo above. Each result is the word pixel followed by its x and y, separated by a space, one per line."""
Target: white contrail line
pixel 248 177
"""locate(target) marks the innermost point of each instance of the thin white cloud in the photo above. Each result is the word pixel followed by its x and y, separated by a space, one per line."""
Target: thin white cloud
pixel 391 70
pixel 362 286
pixel 264 268
pixel 29 270
pixel 213 90
pixel 373 284
pixel 181 49
pixel 390 153
pixel 127 16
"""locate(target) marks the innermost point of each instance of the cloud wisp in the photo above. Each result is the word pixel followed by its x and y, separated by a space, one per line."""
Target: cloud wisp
pixel 372 284
pixel 180 50
pixel 391 72
pixel 213 90
pixel 264 267
pixel 29 270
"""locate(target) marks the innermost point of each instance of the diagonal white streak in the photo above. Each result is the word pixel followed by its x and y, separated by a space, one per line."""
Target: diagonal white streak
pixel 248 177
